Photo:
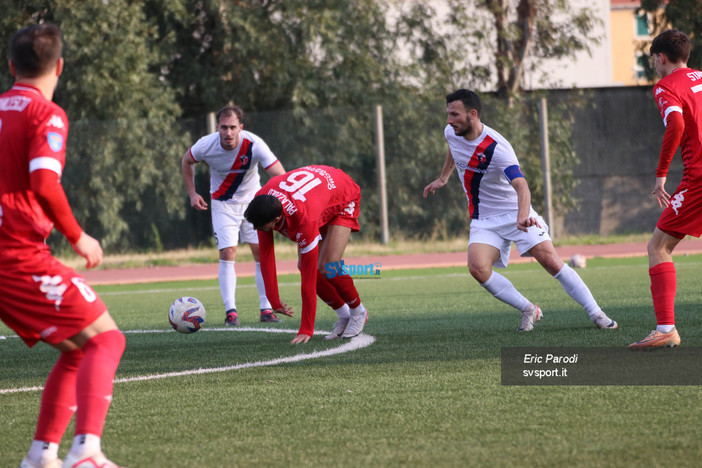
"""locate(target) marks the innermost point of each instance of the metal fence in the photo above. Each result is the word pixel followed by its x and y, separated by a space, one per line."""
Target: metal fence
pixel 616 135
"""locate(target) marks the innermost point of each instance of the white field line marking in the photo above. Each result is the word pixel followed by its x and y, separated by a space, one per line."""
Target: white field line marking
pixel 361 341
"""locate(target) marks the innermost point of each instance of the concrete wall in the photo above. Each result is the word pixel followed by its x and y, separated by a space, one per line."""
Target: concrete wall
pixel 618 140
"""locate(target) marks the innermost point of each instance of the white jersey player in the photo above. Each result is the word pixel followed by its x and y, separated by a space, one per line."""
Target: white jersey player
pixel 500 208
pixel 233 156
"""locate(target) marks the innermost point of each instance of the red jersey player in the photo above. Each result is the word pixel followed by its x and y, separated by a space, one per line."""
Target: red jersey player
pixel 316 207
pixel 679 98
pixel 43 299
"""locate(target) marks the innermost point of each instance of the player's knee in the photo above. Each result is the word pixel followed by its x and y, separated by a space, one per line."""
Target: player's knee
pixel 112 340
pixel 480 272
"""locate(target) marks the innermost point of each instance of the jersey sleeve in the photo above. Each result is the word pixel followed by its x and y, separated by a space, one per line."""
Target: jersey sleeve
pixel 199 149
pixel 49 192
pixel 308 290
pixel 47 146
pixel 667 101
pixel 268 268
pixel 671 140
pixel 263 154
pixel 47 156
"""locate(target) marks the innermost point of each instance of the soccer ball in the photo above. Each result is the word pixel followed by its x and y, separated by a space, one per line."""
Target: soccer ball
pixel 577 261
pixel 186 315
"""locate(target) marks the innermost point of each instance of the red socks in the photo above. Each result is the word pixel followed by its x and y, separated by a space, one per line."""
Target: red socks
pixel 94 383
pixel 58 400
pixel 663 285
pixel 345 288
pixel 327 292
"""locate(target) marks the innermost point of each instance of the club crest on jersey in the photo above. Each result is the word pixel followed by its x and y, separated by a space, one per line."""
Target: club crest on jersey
pixel 55 141
pixel 481 157
pixel 244 159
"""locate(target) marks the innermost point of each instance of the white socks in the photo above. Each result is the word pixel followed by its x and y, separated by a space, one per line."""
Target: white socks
pixel 576 288
pixel 357 309
pixel 86 444
pixel 260 285
pixel 227 283
pixel 504 290
pixel 343 312
pixel 41 452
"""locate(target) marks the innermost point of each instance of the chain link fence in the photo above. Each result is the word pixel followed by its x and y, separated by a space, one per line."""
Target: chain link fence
pixel 613 133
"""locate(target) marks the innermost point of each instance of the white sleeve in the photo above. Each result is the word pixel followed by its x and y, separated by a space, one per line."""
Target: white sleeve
pixel 199 149
pixel 263 153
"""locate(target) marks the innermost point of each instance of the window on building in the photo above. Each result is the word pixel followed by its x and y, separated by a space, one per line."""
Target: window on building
pixel 642 25
pixel 640 67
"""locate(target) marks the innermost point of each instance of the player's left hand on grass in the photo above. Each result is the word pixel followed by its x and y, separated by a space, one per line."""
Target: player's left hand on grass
pixel 300 338
pixel 285 310
pixel 89 248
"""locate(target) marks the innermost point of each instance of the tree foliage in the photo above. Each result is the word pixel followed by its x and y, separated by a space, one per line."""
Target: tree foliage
pixel 684 15
pixel 309 73
pixel 493 43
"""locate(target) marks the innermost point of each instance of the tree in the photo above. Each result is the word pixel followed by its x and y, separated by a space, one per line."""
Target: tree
pixel 684 15
pixel 493 43
pixel 123 148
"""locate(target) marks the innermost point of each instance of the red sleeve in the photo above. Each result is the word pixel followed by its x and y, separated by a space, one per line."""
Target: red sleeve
pixel 268 270
pixel 47 187
pixel 671 140
pixel 308 289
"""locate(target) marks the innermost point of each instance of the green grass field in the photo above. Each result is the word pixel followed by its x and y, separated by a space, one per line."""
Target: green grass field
pixel 427 392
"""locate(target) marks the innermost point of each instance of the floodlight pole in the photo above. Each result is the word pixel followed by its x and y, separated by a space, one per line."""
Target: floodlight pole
pixel 380 166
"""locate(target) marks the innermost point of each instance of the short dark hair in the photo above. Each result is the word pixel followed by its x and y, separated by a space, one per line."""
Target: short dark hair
pixel 34 50
pixel 226 111
pixel 262 210
pixel 469 99
pixel 673 44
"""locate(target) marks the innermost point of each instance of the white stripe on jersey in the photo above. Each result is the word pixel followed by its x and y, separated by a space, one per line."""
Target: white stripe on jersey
pixel 312 245
pixel 668 111
pixel 45 162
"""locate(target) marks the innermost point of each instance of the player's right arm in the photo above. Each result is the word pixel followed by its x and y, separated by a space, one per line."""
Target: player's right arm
pixel 446 171
pixel 187 163
pixel 675 126
pixel 45 183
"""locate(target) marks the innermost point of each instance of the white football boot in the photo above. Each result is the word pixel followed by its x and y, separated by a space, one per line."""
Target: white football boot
pixel 96 460
pixel 338 330
pixel 357 321
pixel 55 463
pixel 529 316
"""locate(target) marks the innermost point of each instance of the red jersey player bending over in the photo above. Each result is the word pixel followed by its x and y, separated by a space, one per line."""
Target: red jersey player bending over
pixel 679 98
pixel 316 207
pixel 41 298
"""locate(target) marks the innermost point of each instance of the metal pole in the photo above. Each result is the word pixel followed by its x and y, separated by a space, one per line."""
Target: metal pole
pixel 546 164
pixel 380 165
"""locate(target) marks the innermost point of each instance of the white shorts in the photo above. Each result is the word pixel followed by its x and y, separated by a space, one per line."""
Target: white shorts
pixel 500 231
pixel 228 224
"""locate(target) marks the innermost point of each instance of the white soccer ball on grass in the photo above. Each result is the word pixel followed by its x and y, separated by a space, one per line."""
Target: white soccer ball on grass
pixel 186 315
pixel 577 261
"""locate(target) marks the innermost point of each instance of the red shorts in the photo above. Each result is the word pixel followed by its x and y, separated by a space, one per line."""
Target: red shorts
pixel 683 215
pixel 342 215
pixel 45 300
